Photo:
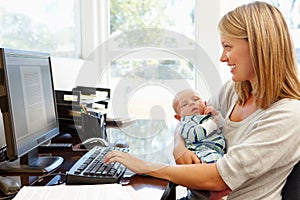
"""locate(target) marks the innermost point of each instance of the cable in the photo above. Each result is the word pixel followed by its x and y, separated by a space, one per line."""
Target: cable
pixel 8 197
pixel 3 155
pixel 48 175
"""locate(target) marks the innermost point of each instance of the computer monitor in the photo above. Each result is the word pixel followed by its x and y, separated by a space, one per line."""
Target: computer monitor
pixel 28 108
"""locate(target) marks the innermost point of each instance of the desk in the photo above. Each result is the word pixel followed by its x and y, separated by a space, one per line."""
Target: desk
pixel 142 184
pixel 150 140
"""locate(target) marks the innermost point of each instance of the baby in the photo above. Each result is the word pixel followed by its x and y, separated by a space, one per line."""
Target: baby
pixel 199 126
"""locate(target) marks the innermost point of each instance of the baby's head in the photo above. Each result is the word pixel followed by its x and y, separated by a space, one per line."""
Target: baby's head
pixel 188 102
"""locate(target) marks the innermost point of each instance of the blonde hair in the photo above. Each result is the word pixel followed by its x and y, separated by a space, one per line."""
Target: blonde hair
pixel 271 51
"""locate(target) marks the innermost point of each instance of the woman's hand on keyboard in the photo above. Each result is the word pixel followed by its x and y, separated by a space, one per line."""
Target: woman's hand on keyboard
pixel 133 163
pixel 128 160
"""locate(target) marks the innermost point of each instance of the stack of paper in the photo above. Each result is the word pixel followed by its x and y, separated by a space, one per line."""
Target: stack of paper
pixel 75 192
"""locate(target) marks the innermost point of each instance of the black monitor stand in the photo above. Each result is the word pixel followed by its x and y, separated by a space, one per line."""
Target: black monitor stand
pixel 32 164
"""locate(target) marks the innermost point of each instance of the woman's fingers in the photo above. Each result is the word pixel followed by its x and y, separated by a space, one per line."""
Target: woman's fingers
pixel 113 156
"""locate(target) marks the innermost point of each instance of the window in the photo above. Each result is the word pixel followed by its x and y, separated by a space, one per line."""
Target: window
pixel 40 25
pixel 153 55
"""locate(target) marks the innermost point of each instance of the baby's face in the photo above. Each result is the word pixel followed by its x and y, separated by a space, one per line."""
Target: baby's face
pixel 190 103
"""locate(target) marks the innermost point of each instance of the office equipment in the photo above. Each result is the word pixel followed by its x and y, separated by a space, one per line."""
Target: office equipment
pixel 90 168
pixel 92 126
pixel 68 111
pixel 71 105
pixel 56 146
pixel 121 143
pixel 9 185
pixel 28 109
pixel 97 108
pixel 144 186
pixel 119 122
pixel 92 142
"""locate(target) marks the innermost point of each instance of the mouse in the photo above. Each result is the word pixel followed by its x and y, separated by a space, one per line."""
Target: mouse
pixel 121 144
pixel 92 142
pixel 9 185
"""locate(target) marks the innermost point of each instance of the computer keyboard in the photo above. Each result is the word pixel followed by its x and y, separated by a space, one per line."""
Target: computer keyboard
pixel 90 168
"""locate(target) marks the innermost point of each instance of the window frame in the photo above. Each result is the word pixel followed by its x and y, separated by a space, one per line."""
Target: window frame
pixel 97 32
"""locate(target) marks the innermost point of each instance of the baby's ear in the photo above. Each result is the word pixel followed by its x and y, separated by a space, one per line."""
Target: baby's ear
pixel 177 117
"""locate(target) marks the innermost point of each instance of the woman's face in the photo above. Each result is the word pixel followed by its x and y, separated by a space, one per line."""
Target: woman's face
pixel 237 55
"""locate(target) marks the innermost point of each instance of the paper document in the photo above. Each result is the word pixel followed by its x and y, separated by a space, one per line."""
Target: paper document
pixel 74 192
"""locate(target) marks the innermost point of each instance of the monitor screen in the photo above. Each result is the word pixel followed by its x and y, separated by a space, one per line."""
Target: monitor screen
pixel 27 101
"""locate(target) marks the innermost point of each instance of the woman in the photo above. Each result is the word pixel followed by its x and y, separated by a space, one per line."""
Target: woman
pixel 261 108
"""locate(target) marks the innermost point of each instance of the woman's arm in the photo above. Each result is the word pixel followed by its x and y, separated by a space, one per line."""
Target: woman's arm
pixel 181 154
pixel 204 176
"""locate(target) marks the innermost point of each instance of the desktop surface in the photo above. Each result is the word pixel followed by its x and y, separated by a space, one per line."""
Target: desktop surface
pixel 141 184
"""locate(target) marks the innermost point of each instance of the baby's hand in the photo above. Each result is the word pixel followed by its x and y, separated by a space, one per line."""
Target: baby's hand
pixel 201 107
pixel 211 110
pixel 214 119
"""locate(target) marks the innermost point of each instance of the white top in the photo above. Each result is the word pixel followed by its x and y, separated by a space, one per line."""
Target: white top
pixel 261 149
